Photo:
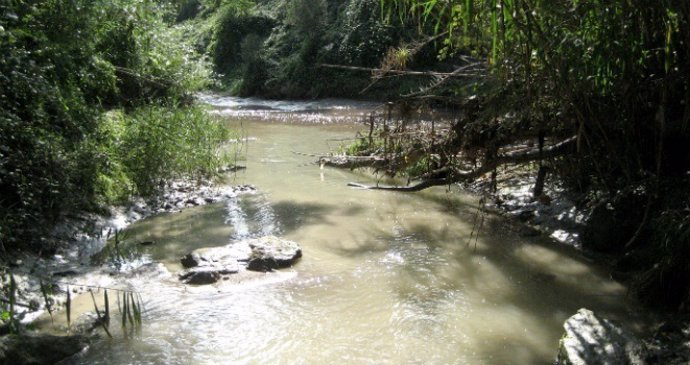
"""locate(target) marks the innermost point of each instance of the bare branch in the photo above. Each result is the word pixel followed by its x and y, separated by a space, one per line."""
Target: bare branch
pixel 443 79
pixel 403 72
pixel 453 176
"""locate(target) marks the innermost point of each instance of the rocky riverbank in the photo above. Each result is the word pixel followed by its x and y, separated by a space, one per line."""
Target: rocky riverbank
pixel 588 338
pixel 79 238
pixel 593 339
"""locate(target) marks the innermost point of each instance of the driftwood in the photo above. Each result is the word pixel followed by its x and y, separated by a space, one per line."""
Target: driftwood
pixel 354 162
pixel 454 176
pixel 410 188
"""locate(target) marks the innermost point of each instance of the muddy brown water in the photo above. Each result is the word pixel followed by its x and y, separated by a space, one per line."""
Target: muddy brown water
pixel 386 277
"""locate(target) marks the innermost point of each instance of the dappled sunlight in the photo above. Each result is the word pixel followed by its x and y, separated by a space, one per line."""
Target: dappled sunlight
pixel 549 256
pixel 569 270
pixel 411 278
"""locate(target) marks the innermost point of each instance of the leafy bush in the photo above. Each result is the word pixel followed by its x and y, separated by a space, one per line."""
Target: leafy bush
pixel 64 64
pixel 609 76
pixel 665 283
pixel 161 143
pixel 233 23
pixel 288 39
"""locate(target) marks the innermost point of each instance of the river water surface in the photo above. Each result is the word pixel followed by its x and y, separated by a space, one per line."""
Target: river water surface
pixel 386 277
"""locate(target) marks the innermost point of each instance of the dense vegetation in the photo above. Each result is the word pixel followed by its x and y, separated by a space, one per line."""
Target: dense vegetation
pixel 601 89
pixel 94 107
pixel 592 93
pixel 597 91
pixel 274 48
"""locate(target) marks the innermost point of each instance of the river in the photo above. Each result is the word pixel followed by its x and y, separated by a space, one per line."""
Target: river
pixel 386 277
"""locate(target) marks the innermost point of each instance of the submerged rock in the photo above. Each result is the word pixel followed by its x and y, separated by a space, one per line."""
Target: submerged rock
pixel 39 349
pixel 590 339
pixel 270 253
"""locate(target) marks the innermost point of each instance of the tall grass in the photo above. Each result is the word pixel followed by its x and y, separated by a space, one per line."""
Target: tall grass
pixel 153 144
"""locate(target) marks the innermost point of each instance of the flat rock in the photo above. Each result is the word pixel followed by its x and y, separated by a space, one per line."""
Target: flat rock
pixel 209 265
pixel 209 256
pixel 590 339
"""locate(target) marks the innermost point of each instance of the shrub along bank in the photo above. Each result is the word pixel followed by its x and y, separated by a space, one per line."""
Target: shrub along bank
pixel 95 106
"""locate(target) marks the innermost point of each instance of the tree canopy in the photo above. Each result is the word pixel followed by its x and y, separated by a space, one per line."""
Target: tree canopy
pixel 89 92
pixel 610 77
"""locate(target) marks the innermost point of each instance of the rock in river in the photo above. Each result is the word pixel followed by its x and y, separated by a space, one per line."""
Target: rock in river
pixel 270 253
pixel 590 339
pixel 208 265
pixel 210 256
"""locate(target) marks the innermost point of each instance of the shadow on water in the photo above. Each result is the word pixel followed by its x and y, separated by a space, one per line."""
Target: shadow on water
pixel 401 261
pixel 540 282
pixel 533 285
pixel 293 215
pixel 166 237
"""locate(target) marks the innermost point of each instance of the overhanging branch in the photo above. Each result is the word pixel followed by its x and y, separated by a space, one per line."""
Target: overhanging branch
pixel 404 72
pixel 454 176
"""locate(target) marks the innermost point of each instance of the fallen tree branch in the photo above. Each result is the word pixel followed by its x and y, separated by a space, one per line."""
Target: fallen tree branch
pixel 410 188
pixel 454 176
pixel 402 72
pixel 354 162
pixel 441 80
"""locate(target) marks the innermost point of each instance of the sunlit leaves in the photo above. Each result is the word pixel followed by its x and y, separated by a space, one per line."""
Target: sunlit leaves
pixel 64 63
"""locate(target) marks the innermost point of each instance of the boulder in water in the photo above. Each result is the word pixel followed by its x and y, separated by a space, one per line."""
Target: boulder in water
pixel 209 256
pixel 270 253
pixel 208 265
pixel 590 339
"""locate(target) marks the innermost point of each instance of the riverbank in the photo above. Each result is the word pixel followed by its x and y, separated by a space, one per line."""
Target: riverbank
pixel 396 263
pixel 555 214
pixel 80 237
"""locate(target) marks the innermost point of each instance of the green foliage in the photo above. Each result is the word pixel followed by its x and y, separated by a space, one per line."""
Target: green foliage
pixel 360 147
pixel 147 146
pixel 162 143
pixel 307 17
pixel 274 47
pixel 593 68
pixel 665 282
pixel 64 64
pixel 8 303
pixel 233 23
pixel 612 74
pixel 188 10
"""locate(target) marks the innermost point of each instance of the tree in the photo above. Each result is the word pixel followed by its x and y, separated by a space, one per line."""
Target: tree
pixel 598 87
